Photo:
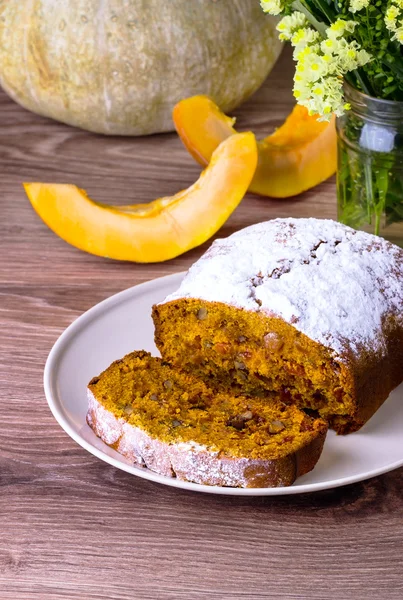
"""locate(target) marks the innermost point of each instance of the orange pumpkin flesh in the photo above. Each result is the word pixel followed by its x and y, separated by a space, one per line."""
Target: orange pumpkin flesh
pixel 202 126
pixel 159 230
pixel 299 155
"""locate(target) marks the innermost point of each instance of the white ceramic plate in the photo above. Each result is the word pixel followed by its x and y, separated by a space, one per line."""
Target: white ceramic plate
pixel 123 323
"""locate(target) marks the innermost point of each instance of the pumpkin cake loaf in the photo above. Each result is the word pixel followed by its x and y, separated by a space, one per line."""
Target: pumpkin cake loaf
pixel 172 423
pixel 307 310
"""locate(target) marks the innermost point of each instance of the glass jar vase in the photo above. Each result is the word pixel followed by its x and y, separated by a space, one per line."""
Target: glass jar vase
pixel 370 165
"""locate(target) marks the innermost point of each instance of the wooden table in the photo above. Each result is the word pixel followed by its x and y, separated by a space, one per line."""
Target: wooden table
pixel 73 527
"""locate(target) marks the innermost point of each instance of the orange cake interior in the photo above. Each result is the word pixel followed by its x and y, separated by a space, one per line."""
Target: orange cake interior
pixel 173 406
pixel 248 353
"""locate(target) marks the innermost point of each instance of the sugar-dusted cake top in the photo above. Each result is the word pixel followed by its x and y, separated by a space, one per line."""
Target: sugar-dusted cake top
pixel 334 284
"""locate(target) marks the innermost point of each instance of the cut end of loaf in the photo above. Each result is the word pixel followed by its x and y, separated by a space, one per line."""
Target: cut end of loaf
pixel 144 409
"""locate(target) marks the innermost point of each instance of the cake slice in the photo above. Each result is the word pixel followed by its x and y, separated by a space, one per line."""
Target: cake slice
pixel 306 310
pixel 172 423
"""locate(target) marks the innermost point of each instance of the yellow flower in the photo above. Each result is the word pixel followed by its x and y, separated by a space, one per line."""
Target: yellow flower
pixel 339 27
pixel 394 20
pixel 391 18
pixel 329 45
pixel 399 34
pixel 357 5
pixel 321 65
pixel 274 7
pixel 291 24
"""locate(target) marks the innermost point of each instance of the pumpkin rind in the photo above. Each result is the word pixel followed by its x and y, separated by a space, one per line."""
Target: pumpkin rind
pixel 119 66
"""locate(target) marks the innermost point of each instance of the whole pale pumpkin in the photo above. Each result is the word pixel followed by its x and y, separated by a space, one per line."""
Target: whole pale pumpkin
pixel 119 66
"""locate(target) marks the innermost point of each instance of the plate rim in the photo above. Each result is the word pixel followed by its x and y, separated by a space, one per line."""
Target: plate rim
pixel 56 407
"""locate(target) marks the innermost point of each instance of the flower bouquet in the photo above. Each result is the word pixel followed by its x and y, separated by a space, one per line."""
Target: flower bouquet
pixel 349 62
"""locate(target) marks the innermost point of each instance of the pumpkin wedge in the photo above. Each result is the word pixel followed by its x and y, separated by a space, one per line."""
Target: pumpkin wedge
pixel 297 156
pixel 159 230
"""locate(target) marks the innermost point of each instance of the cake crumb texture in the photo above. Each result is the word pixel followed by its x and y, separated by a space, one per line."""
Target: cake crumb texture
pixel 174 424
pixel 309 311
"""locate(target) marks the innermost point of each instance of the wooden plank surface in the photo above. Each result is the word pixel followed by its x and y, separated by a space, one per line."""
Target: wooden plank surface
pixel 74 527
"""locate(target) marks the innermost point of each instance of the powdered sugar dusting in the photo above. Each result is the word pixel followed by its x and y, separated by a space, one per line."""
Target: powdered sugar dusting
pixel 334 284
pixel 189 461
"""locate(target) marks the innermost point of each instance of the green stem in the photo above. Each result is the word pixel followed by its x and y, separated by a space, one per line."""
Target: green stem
pixel 382 184
pixel 318 25
pixel 369 190
pixel 325 9
pixel 395 67
pixel 354 77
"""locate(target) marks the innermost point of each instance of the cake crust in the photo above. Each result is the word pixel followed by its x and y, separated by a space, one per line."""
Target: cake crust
pixel 317 284
pixel 194 463
pixel 340 287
